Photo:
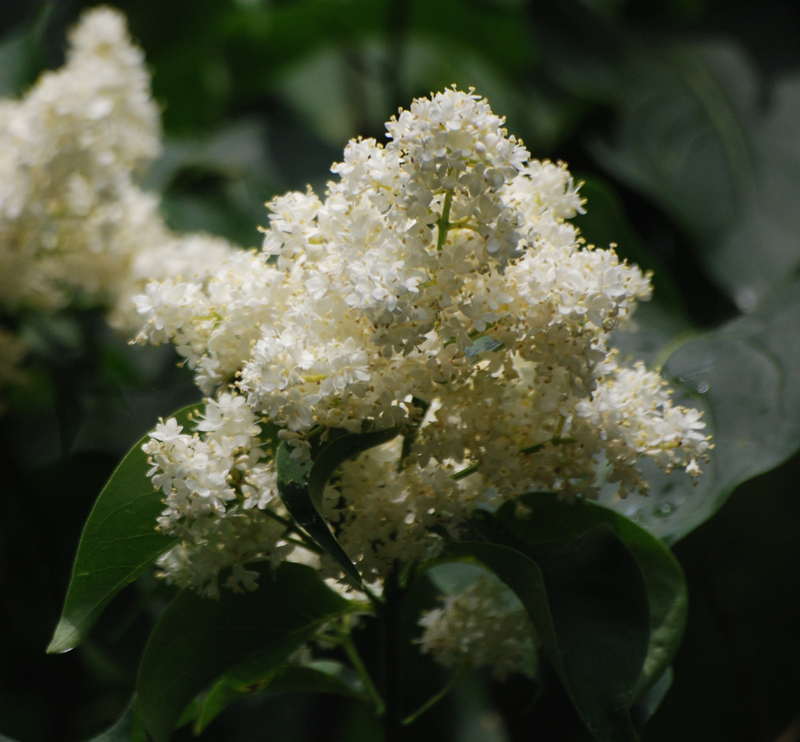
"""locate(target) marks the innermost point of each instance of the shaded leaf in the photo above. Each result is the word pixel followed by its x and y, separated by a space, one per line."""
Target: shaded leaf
pixel 302 482
pixel 648 704
pixel 552 520
pixel 746 376
pixel 196 639
pixel 118 543
pixel 319 676
pixel 128 728
pixel 695 137
pixel 587 599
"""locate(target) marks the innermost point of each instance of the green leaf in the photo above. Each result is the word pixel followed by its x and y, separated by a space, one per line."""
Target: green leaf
pixel 319 676
pixel 746 376
pixel 196 639
pixel 696 138
pixel 587 599
pixel 483 344
pixel 302 482
pixel 552 520
pixel 118 543
pixel 648 704
pixel 128 728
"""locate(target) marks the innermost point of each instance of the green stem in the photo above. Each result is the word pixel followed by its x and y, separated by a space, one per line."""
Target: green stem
pixel 444 220
pixel 358 664
pixel 553 441
pixel 471 469
pixel 431 702
pixel 392 624
pixel 302 539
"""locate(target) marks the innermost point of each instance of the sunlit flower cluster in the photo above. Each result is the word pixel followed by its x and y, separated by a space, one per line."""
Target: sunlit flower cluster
pixel 438 290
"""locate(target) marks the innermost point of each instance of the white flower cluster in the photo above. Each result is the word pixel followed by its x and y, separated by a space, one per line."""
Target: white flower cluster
pixel 485 625
pixel 439 289
pixel 73 222
pixel 68 150
pixel 220 496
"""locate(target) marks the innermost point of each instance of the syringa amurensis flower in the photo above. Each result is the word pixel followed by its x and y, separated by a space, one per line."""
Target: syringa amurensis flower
pixel 437 287
pixel 68 151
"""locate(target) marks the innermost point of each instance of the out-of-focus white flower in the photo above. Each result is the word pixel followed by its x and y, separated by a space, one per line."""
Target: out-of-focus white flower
pixel 484 625
pixel 70 214
pixel 74 225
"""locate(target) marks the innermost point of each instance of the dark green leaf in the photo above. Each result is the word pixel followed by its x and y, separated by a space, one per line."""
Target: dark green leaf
pixel 196 639
pixel 301 483
pixel 587 599
pixel 319 676
pixel 648 704
pixel 696 137
pixel 552 520
pixel 118 543
pixel 747 378
pixel 128 728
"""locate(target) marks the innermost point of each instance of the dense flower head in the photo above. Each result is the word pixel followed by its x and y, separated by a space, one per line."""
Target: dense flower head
pixel 438 289
pixel 68 207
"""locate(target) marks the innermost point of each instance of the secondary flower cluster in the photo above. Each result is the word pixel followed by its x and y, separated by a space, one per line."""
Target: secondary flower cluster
pixel 483 625
pixel 73 222
pixel 438 289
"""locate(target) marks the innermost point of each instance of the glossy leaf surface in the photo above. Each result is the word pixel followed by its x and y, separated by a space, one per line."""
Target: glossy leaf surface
pixel 746 377
pixel 197 640
pixel 118 543
pixel 301 483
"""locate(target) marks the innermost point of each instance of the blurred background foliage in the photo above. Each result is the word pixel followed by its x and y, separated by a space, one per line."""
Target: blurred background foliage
pixel 683 119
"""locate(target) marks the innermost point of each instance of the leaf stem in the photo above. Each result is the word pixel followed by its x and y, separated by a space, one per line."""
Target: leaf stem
pixel 431 702
pixel 358 664
pixel 444 220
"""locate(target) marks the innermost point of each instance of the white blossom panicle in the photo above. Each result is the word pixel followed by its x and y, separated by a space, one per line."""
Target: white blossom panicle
pixel 437 289
pixel 73 222
pixel 485 625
